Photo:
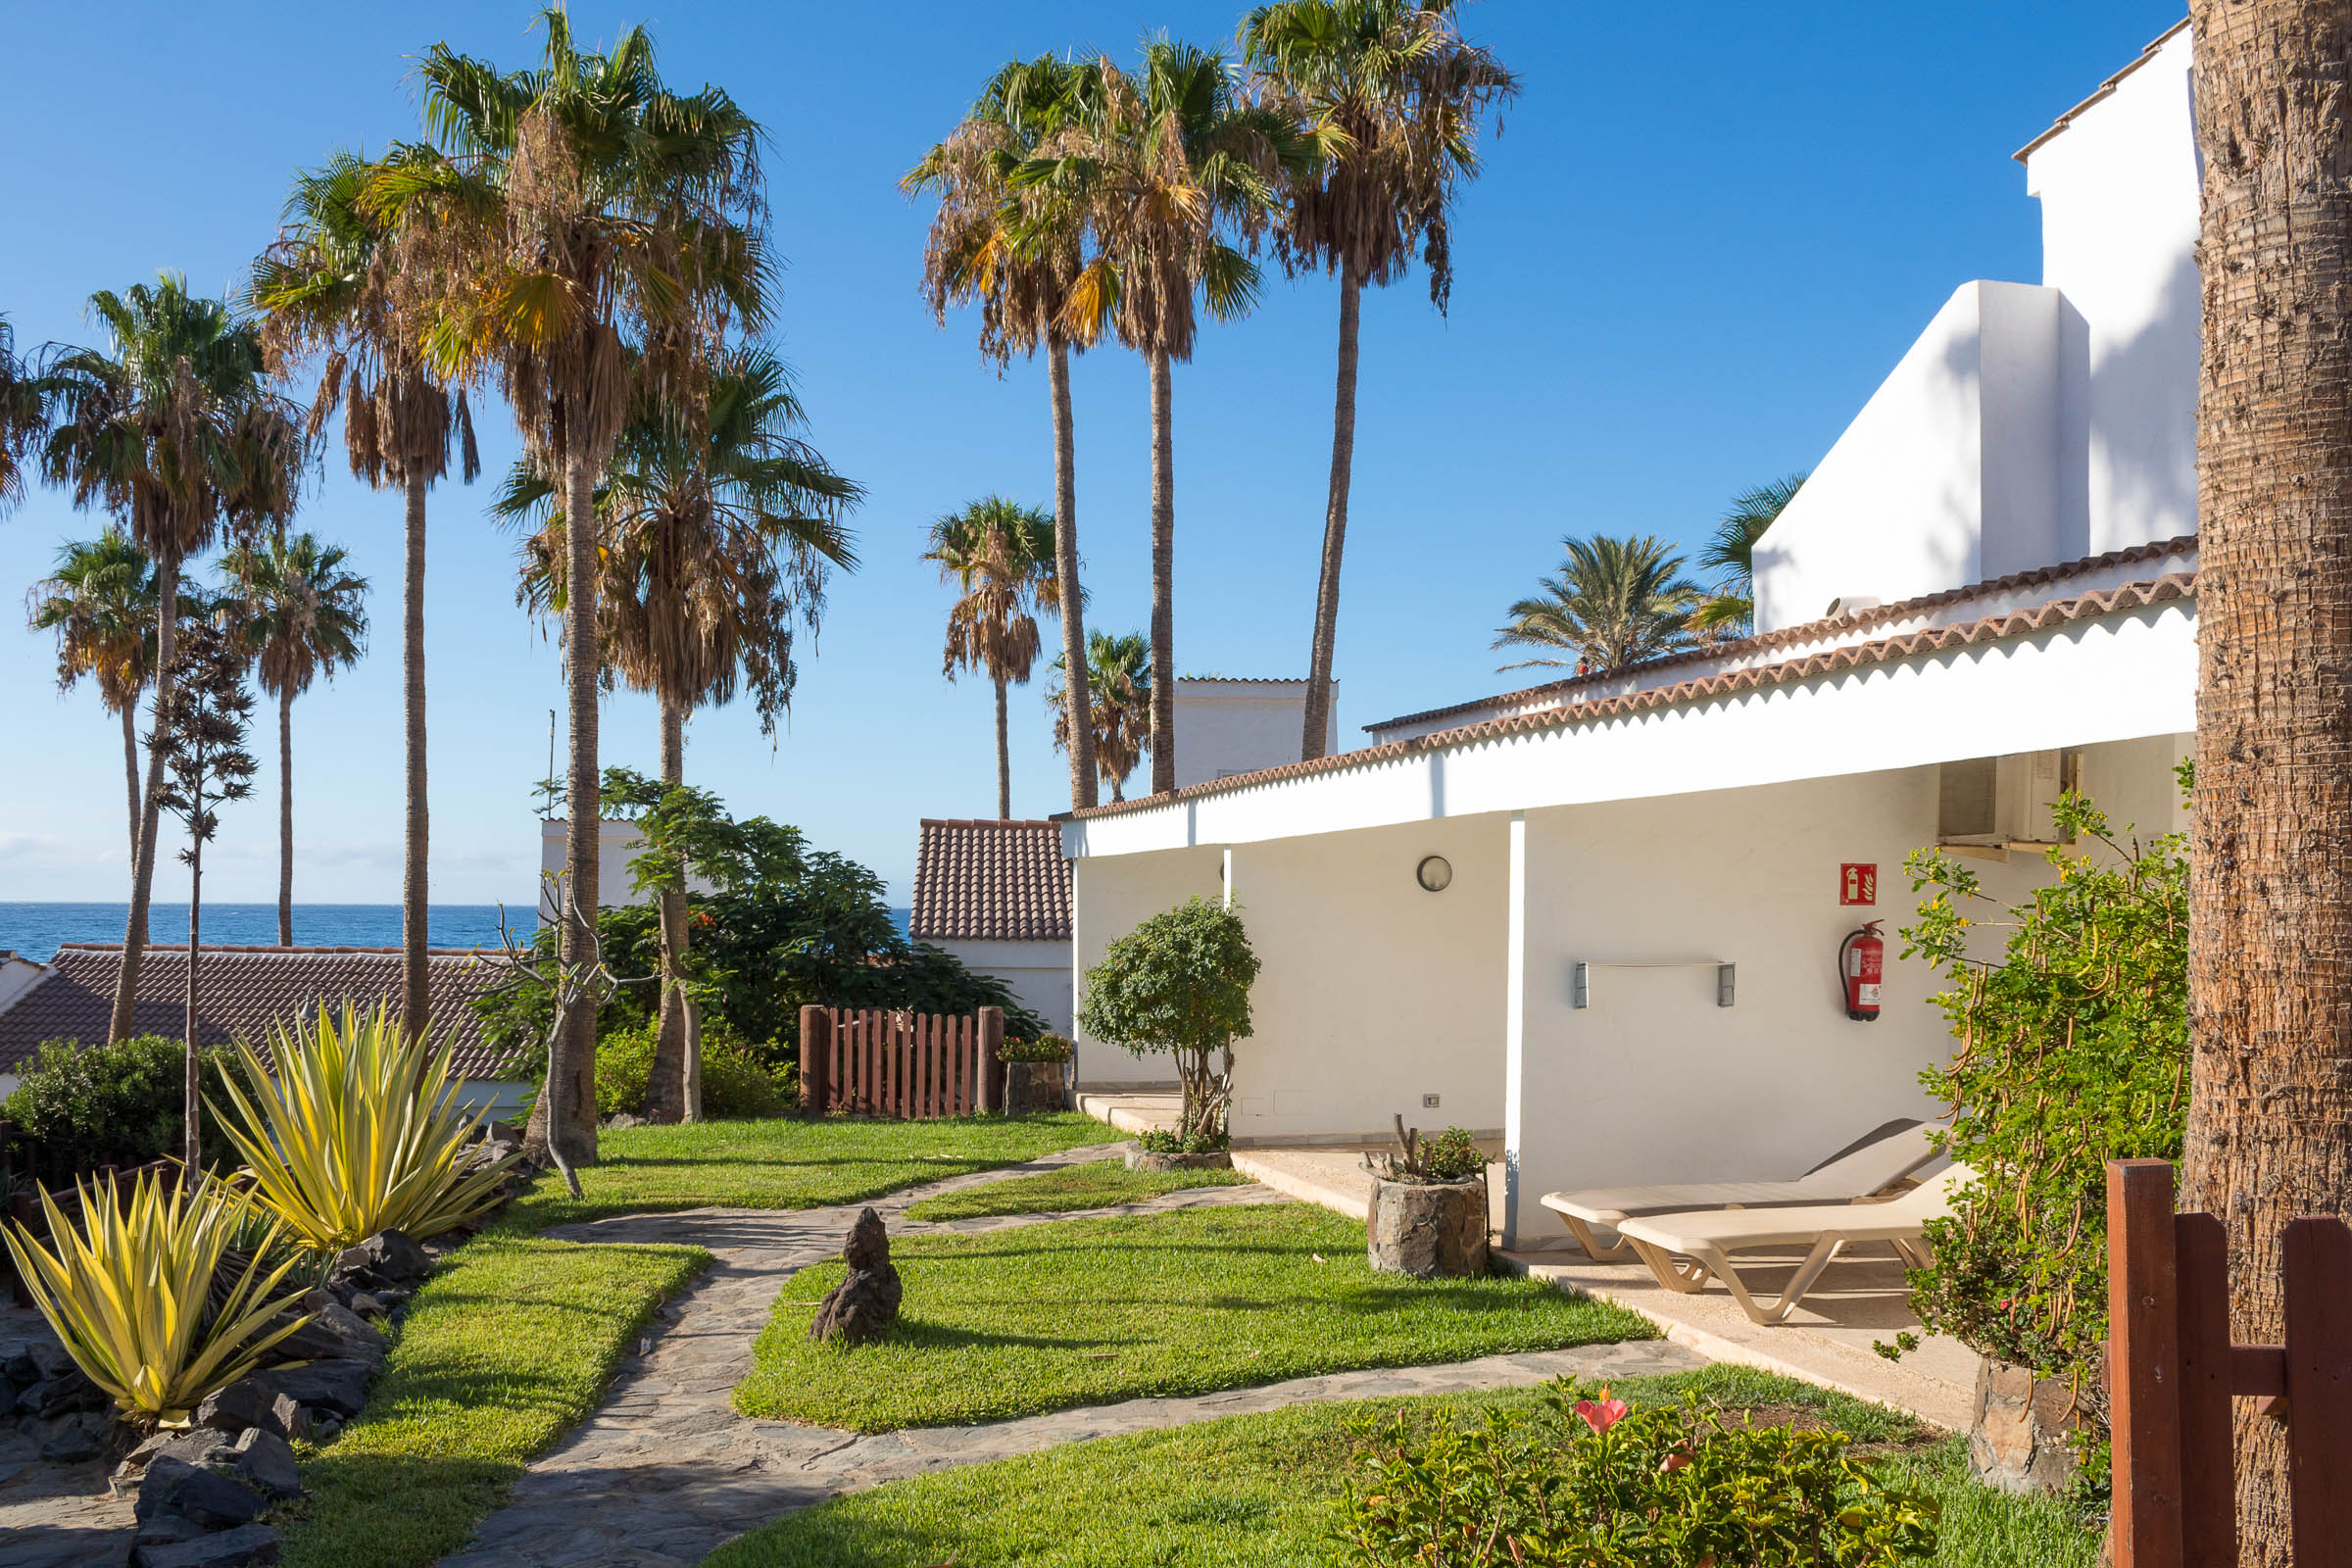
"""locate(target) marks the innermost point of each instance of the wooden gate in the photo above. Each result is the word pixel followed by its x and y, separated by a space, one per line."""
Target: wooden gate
pixel 907 1065
pixel 2172 1373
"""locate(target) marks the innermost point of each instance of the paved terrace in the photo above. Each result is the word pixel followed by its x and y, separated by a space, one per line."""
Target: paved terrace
pixel 1828 1341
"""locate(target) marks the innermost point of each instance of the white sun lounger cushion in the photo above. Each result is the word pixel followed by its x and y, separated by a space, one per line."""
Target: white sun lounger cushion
pixel 1872 1168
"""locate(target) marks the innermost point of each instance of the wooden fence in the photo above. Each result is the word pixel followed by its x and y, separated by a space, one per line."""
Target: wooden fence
pixel 911 1065
pixel 2172 1372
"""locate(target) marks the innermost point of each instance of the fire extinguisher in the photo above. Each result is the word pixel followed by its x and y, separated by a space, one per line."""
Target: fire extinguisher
pixel 1861 960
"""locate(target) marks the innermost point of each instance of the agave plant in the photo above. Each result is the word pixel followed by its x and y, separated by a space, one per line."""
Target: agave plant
pixel 127 1292
pixel 358 1131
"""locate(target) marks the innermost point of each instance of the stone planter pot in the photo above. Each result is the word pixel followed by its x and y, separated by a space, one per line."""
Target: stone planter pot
pixel 1141 1158
pixel 2018 1429
pixel 1436 1230
pixel 1035 1086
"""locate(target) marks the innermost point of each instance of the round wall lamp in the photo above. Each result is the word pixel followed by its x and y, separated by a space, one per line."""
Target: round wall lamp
pixel 1435 873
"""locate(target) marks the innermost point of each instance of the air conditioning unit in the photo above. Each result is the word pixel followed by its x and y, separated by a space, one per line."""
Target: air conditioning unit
pixel 1997 804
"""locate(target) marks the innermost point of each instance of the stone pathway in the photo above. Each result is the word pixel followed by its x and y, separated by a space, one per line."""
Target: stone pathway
pixel 667 1470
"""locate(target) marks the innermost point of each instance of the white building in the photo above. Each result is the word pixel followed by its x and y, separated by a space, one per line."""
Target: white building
pixel 617 844
pixel 1985 591
pixel 997 895
pixel 1228 724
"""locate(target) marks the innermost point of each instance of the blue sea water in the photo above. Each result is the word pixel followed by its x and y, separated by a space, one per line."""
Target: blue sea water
pixel 36 929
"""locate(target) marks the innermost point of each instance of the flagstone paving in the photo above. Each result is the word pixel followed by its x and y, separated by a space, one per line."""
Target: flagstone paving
pixel 667 1470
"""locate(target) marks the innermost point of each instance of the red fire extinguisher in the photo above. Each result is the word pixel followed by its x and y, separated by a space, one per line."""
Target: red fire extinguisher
pixel 1861 960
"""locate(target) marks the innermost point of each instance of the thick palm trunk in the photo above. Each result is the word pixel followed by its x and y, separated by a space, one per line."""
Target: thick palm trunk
pixel 1077 702
pixel 142 870
pixel 191 1129
pixel 668 1097
pixel 1335 523
pixel 1163 586
pixel 1004 757
pixel 572 1058
pixel 130 779
pixel 285 818
pixel 2270 1122
pixel 415 997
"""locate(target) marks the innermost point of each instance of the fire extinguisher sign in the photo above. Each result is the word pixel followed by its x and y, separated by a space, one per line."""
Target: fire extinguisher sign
pixel 1858 883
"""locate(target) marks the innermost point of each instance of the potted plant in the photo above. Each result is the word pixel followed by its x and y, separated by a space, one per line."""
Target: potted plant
pixel 1035 1074
pixel 1179 983
pixel 1429 1205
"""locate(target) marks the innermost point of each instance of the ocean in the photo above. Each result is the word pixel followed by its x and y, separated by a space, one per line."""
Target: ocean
pixel 36 929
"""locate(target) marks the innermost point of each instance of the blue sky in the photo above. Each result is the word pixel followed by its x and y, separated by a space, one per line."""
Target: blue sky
pixel 1705 234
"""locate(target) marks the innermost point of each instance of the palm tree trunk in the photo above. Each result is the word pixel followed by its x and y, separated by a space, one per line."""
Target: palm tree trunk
pixel 191 1104
pixel 416 996
pixel 142 871
pixel 1004 758
pixel 2269 952
pixel 1335 523
pixel 571 1060
pixel 1076 699
pixel 285 817
pixel 665 1096
pixel 130 777
pixel 1163 587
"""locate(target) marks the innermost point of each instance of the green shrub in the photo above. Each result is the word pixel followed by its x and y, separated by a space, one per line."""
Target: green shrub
pixel 1594 1484
pixel 1180 983
pixel 1045 1047
pixel 738 1079
pixel 1453 1155
pixel 2073 1050
pixel 86 1107
pixel 1168 1141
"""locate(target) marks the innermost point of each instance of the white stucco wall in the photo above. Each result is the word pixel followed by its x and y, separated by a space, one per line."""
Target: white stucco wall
pixel 1225 727
pixel 1107 902
pixel 617 846
pixel 1037 972
pixel 2119 193
pixel 1374 992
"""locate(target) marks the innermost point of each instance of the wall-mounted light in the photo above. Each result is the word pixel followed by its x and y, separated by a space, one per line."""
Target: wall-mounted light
pixel 1435 873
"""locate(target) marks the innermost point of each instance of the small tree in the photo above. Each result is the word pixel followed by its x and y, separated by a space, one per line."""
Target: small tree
pixel 199 731
pixel 1180 983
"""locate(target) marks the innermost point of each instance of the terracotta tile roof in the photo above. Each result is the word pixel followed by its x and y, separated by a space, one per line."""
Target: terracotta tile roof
pixel 990 881
pixel 1815 630
pixel 242 991
pixel 1828 661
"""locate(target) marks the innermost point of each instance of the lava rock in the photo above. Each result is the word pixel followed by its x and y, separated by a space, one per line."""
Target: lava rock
pixel 245 1403
pixel 334 1332
pixel 388 1257
pixel 63 1395
pixel 75 1438
pixel 336 1386
pixel 18 1367
pixel 262 1460
pixel 172 1485
pixel 866 1303
pixel 230 1549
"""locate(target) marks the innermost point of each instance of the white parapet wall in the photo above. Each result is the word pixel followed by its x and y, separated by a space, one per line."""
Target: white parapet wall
pixel 1106 902
pixel 1038 973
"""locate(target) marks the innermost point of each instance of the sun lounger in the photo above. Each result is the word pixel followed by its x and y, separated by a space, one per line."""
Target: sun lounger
pixel 1709 1237
pixel 1884 1158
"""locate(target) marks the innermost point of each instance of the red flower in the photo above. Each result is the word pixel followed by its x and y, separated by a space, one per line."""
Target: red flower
pixel 1674 1461
pixel 1604 1415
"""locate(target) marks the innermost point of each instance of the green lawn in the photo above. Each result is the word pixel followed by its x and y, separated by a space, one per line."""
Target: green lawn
pixel 513 1342
pixel 1078 1312
pixel 1257 1492
pixel 1098 1184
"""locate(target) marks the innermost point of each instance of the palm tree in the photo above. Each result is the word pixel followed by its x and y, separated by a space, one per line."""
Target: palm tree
pixel 719 545
pixel 99 601
pixel 1614 603
pixel 1000 556
pixel 326 290
pixel 1730 612
pixel 2270 920
pixel 1175 177
pixel 581 232
pixel 303 617
pixel 1119 678
pixel 1015 253
pixel 1392 95
pixel 173 430
pixel 20 418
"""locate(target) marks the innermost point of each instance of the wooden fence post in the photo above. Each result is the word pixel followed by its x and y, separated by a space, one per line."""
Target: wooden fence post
pixel 817 1060
pixel 2208 1448
pixel 2318 1265
pixel 2143 1363
pixel 991 1058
